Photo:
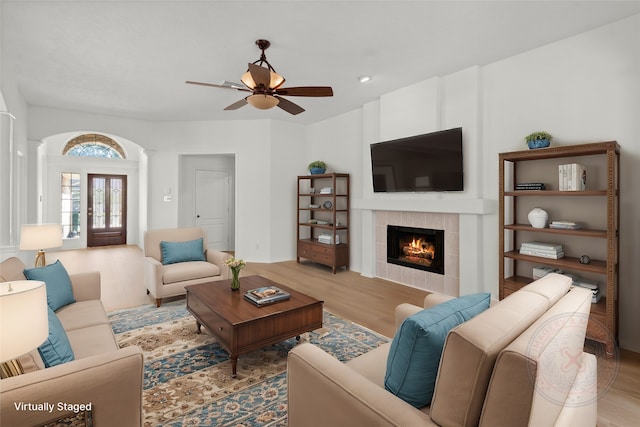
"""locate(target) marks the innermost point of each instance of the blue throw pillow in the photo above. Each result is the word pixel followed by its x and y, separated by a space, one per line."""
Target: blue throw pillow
pixel 416 348
pixel 57 281
pixel 173 252
pixel 56 349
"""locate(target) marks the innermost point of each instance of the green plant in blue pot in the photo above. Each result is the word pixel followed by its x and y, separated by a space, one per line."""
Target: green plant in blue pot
pixel 538 140
pixel 317 167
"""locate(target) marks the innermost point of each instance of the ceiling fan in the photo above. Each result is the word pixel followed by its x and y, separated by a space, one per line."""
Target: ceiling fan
pixel 266 88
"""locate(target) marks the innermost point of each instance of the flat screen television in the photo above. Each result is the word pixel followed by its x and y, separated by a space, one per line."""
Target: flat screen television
pixel 421 163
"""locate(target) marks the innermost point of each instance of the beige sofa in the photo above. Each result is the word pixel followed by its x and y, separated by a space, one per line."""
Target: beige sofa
pixel 169 280
pixel 108 378
pixel 519 363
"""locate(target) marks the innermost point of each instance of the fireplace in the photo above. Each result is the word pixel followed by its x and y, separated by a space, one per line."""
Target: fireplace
pixel 420 248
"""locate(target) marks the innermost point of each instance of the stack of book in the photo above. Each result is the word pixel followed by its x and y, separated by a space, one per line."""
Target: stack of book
pixel 266 295
pixel 566 225
pixel 544 250
pixel 572 177
pixel 328 239
pixel 326 190
pixel 530 186
pixel 591 285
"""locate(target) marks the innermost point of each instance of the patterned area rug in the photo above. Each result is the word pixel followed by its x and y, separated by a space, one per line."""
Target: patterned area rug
pixel 187 378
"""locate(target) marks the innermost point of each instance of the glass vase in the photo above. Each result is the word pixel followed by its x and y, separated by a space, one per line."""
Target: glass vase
pixel 235 279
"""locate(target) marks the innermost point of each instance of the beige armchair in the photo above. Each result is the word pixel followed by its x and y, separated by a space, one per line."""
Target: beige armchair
pixel 167 280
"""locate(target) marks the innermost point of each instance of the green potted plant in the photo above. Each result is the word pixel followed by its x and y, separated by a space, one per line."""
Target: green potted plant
pixel 538 140
pixel 317 167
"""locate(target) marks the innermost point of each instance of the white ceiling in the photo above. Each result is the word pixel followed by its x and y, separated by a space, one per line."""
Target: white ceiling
pixel 131 58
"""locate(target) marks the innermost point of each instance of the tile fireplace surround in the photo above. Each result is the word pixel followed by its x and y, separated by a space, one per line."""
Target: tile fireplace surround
pixel 449 283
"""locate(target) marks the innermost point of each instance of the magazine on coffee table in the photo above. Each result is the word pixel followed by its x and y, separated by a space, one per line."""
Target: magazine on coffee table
pixel 266 295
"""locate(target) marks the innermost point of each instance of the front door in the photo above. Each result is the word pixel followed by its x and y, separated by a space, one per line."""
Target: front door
pixel 212 200
pixel 107 210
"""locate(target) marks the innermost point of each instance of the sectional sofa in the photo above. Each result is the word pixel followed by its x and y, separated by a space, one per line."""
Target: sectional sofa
pixel 519 363
pixel 103 378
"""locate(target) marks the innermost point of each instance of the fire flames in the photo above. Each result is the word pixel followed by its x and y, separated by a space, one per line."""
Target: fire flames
pixel 419 251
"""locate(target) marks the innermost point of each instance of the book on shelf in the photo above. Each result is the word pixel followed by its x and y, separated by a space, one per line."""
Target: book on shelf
pixel 542 254
pixel 328 239
pixel 541 249
pixel 530 186
pixel 591 285
pixel 542 246
pixel 266 295
pixel 572 177
pixel 566 225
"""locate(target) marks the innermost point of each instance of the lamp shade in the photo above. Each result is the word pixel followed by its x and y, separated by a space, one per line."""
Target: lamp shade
pixel 34 237
pixel 263 102
pixel 24 322
pixel 275 80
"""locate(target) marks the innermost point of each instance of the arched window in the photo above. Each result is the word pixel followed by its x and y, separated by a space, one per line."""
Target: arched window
pixel 94 145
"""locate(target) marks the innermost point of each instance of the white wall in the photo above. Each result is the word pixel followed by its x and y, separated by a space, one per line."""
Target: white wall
pixel 582 89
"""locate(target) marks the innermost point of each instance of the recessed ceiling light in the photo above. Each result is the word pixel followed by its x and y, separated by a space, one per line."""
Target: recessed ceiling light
pixel 364 79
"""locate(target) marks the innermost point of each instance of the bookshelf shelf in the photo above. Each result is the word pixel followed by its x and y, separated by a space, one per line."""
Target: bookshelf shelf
pixel 599 207
pixel 336 215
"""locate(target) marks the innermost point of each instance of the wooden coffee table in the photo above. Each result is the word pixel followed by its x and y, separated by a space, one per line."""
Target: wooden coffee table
pixel 242 327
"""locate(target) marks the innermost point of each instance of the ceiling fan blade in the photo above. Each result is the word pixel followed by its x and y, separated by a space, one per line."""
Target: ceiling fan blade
pixel 237 104
pixel 260 75
pixel 305 91
pixel 219 86
pixel 289 106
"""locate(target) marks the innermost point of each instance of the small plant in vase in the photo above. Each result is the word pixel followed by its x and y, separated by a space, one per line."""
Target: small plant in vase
pixel 538 140
pixel 317 167
pixel 235 264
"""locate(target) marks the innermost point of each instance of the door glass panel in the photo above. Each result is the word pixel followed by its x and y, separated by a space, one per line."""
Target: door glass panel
pixel 99 202
pixel 115 208
pixel 70 205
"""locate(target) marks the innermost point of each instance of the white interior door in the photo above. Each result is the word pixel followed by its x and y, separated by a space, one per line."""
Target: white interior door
pixel 212 206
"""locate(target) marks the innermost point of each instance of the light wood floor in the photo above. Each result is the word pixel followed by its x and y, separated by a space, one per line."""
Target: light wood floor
pixel 368 302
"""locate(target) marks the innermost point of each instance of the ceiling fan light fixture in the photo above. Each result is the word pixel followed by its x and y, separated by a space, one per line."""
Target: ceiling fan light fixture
pixel 248 81
pixel 275 80
pixel 263 101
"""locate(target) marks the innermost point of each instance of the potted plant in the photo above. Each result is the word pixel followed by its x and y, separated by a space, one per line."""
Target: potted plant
pixel 538 140
pixel 317 167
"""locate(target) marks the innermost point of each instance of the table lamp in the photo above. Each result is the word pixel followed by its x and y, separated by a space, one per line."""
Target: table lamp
pixel 40 237
pixel 24 321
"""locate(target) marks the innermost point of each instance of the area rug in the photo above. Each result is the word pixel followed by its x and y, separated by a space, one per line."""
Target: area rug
pixel 187 376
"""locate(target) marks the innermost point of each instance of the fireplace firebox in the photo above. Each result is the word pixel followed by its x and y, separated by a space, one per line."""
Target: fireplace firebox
pixel 420 248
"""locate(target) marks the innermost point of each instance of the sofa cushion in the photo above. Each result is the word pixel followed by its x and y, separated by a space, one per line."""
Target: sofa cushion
pixel 92 340
pixel 183 271
pixel 173 252
pixel 56 349
pixel 415 351
pixel 471 349
pixel 82 314
pixel 57 281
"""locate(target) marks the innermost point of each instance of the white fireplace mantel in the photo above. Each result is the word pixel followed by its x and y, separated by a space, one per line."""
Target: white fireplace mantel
pixel 436 205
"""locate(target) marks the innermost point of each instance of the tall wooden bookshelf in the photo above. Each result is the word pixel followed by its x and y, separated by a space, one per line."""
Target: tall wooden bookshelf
pixel 324 214
pixel 597 208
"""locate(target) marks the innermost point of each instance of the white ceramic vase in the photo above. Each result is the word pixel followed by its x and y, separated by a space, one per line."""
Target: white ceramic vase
pixel 538 218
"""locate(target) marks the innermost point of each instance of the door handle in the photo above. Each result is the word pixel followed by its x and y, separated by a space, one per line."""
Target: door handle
pixel 197 216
